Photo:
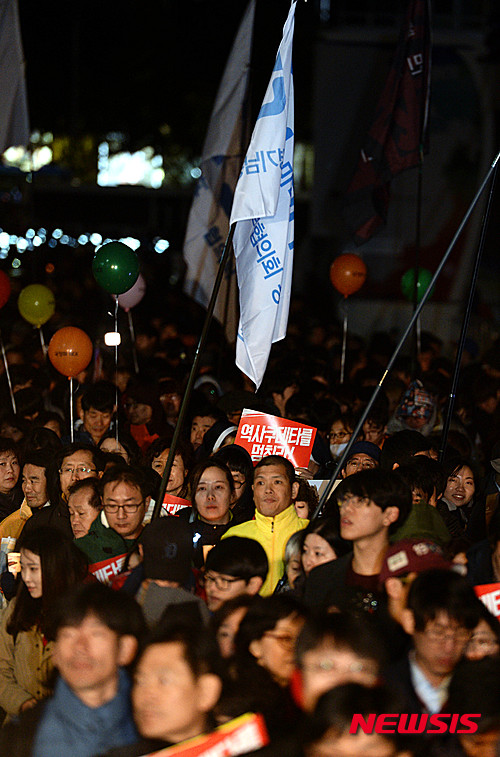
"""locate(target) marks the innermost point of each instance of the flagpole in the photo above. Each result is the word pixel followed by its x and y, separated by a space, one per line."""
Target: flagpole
pixel 465 324
pixel 194 368
pixel 328 489
pixel 224 320
pixel 418 226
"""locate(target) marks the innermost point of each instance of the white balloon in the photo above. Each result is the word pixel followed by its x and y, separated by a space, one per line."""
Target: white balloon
pixel 134 295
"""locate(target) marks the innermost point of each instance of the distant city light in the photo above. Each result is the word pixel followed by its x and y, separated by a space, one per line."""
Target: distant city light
pixel 133 243
pixel 162 245
pixel 142 168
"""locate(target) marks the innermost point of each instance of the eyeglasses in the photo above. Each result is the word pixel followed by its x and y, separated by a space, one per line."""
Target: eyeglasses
pixel 79 469
pixel 238 484
pixel 221 583
pixel 128 509
pixel 363 464
pixel 338 436
pixel 329 666
pixel 356 502
pixel 438 635
pixel 286 640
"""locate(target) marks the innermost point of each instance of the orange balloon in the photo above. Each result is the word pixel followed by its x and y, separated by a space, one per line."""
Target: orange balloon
pixel 70 351
pixel 348 273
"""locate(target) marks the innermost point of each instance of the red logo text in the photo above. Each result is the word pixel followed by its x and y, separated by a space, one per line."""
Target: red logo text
pixel 414 723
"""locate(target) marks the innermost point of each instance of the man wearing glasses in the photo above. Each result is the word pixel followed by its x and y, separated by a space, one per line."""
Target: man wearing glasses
pixel 442 611
pixel 125 497
pixel 115 530
pixel 74 462
pixel 235 566
pixel 373 503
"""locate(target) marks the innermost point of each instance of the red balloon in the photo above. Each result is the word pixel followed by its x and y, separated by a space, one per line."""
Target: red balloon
pixel 70 351
pixel 348 273
pixel 4 289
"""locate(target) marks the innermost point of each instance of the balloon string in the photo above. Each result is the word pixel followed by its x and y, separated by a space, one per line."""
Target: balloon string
pixel 7 373
pixel 419 337
pixel 42 342
pixel 132 339
pixel 116 370
pixel 71 431
pixel 344 342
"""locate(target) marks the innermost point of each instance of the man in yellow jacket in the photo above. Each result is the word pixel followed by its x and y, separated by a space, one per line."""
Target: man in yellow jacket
pixel 274 490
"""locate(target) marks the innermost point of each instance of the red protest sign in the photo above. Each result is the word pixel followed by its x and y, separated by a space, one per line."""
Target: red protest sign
pixel 172 504
pixel 244 734
pixel 489 594
pixel 262 434
pixel 105 570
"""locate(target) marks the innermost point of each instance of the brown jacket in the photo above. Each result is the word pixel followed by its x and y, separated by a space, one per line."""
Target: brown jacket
pixel 25 665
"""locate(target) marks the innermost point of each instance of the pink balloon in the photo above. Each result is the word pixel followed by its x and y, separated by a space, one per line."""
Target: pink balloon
pixel 134 295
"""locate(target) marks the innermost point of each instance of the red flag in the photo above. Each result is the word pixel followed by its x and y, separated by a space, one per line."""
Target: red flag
pixel 396 139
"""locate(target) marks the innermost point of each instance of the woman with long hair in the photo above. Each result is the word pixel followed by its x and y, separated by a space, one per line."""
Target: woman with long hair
pixel 240 464
pixel 50 565
pixel 212 494
pixel 321 542
pixel 457 505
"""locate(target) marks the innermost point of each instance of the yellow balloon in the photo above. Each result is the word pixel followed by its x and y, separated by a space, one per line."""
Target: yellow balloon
pixel 36 304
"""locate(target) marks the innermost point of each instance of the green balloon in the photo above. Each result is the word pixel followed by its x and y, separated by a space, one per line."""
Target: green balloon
pixel 115 267
pixel 408 283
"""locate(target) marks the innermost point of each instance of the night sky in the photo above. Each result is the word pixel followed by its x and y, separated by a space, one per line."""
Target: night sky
pixel 137 65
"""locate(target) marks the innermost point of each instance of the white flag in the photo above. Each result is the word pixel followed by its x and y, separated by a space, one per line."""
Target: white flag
pixel 14 126
pixel 263 211
pixel 208 223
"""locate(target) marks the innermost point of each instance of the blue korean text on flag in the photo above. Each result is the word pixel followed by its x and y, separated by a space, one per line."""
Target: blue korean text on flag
pixel 263 211
pixel 225 142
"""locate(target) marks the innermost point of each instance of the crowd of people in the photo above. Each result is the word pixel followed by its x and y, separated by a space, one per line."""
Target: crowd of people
pixel 130 625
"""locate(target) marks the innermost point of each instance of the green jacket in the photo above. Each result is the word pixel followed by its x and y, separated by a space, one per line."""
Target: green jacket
pixel 423 522
pixel 272 534
pixel 105 549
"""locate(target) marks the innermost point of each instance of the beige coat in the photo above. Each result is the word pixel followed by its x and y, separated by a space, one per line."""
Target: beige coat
pixel 25 665
pixel 13 524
